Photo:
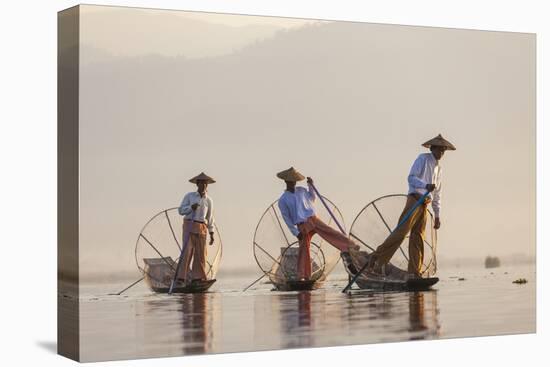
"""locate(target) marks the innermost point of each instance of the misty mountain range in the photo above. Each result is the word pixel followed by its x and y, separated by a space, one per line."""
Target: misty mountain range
pixel 348 102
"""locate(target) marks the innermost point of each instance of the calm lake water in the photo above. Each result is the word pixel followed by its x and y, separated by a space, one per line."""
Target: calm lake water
pixel 143 324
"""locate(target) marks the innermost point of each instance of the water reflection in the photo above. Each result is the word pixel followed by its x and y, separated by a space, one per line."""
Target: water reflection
pixel 152 325
pixel 423 314
pixel 317 318
pixel 296 321
pixel 196 320
pixel 183 322
pixel 195 323
pixel 304 309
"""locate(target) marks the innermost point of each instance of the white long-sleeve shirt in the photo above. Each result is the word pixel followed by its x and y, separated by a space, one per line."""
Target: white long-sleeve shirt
pixel 297 207
pixel 426 170
pixel 204 212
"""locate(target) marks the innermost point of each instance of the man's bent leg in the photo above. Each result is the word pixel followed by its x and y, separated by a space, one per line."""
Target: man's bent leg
pixel 332 236
pixel 385 251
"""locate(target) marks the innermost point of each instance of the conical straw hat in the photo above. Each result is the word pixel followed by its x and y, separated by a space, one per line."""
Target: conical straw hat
pixel 290 175
pixel 204 177
pixel 439 141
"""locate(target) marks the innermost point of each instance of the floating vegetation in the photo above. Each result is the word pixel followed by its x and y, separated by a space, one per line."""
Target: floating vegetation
pixel 520 281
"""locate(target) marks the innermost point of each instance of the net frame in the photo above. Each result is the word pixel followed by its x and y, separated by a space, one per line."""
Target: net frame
pixel 212 266
pixel 326 265
pixel 429 265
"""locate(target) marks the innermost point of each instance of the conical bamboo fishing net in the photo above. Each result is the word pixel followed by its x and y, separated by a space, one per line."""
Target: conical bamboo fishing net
pixel 378 218
pixel 159 244
pixel 276 248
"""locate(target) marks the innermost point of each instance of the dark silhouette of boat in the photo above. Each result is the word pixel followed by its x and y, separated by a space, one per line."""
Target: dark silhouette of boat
pixel 394 279
pixel 159 273
pixel 492 262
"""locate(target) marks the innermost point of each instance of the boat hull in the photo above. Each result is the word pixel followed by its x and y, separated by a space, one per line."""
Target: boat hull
pixel 159 273
pixel 385 284
pixel 297 285
pixel 394 280
pixel 197 286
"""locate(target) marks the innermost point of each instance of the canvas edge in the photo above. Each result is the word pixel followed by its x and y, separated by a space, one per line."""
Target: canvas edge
pixel 68 49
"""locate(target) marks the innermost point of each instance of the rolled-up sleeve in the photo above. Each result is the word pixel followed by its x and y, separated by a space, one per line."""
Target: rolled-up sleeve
pixel 185 206
pixel 414 175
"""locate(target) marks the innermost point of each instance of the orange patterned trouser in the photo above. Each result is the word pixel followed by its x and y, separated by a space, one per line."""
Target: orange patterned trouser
pixel 308 228
pixel 195 250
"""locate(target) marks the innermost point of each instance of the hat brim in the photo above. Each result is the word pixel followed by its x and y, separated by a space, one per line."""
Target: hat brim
pixel 448 146
pixel 291 178
pixel 208 180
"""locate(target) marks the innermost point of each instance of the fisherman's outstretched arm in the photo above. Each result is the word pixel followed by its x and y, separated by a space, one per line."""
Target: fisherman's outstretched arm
pixel 185 206
pixel 286 217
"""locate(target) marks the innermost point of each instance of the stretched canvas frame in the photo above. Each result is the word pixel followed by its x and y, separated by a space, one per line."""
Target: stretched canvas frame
pixel 72 227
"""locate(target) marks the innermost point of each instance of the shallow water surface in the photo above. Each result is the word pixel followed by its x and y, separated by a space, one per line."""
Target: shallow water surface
pixel 144 324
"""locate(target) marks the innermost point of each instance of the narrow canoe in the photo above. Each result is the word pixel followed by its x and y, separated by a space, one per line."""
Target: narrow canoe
pixel 159 273
pixel 299 285
pixel 394 280
pixel 197 286
pixel 371 281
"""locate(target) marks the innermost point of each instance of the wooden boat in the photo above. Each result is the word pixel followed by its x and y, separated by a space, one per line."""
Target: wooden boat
pixel 197 286
pixel 284 277
pixel 492 262
pixel 160 242
pixel 371 227
pixel 298 285
pixel 276 251
pixel 375 282
pixel 159 273
pixel 394 279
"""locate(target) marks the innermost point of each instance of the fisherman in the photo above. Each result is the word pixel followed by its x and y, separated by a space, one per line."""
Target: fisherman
pixel 425 176
pixel 197 208
pixel 297 208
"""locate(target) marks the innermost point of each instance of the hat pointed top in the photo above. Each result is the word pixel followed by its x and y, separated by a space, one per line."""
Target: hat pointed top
pixel 202 177
pixel 439 140
pixel 290 174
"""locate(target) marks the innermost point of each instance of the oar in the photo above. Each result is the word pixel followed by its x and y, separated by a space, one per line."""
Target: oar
pixel 186 235
pixel 328 209
pixel 128 287
pixel 254 282
pixel 405 218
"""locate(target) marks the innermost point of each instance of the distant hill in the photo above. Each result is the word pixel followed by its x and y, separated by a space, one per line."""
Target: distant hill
pixel 348 102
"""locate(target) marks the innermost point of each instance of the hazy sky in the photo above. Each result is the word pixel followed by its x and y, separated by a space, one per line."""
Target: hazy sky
pixel 167 94
pixel 124 32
